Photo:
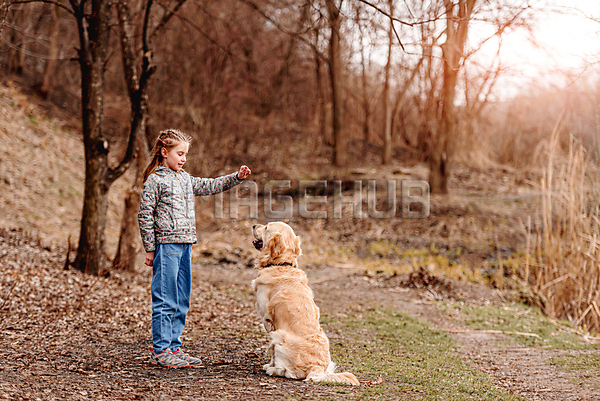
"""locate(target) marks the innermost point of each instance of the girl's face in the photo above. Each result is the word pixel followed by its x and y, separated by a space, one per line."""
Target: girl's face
pixel 175 158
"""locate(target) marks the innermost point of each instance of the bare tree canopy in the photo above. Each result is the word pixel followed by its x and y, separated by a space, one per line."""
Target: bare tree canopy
pixel 344 83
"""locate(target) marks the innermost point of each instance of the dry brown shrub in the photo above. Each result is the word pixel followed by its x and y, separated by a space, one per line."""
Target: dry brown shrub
pixel 563 246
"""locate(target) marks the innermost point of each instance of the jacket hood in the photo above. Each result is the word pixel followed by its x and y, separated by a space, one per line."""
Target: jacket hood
pixel 162 170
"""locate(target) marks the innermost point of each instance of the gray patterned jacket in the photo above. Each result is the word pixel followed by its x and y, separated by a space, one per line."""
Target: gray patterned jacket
pixel 166 213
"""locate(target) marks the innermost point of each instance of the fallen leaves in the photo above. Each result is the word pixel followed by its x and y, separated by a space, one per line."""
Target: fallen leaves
pixel 67 335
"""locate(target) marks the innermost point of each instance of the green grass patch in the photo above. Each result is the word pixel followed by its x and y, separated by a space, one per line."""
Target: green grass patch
pixel 518 318
pixel 578 362
pixel 393 258
pixel 586 365
pixel 33 120
pixel 411 360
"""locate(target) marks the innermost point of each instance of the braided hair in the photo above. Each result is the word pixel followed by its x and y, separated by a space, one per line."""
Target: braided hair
pixel 167 139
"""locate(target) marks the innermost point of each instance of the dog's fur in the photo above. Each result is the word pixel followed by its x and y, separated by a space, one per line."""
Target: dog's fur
pixel 298 347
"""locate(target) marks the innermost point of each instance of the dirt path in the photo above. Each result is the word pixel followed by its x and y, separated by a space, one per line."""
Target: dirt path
pixel 69 336
pixel 525 371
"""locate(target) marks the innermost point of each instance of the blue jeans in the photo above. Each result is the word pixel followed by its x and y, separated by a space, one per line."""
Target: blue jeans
pixel 171 290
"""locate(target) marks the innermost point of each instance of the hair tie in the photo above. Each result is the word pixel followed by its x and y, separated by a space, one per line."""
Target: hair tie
pixel 163 143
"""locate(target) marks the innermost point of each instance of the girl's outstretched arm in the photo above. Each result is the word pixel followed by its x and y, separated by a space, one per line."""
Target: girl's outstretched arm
pixel 212 186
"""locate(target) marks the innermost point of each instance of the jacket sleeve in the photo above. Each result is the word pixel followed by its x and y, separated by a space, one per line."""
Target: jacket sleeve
pixel 211 186
pixel 146 214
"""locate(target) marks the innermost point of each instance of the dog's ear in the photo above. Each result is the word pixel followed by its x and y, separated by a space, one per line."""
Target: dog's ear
pixel 276 245
pixel 297 250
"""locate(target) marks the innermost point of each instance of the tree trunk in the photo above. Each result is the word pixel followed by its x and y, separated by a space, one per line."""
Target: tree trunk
pixel 50 66
pixel 366 128
pixel 3 13
pixel 320 112
pixel 90 253
pixel 90 257
pixel 366 108
pixel 386 157
pixel 16 53
pixel 453 48
pixel 129 246
pixel 94 41
pixel 401 95
pixel 428 103
pixel 129 239
pixel 335 71
pixel 94 35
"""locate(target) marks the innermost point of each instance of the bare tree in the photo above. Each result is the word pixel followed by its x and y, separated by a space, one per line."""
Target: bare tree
pixel 137 85
pixel 94 34
pixel 401 97
pixel 321 110
pixel 331 10
pixel 93 19
pixel 18 15
pixel 3 12
pixel 458 16
pixel 50 64
pixel 335 72
pixel 365 84
pixel 386 156
pixel 137 78
pixel 426 99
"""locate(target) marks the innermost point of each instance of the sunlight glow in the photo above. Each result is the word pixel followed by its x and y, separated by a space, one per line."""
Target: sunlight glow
pixel 564 43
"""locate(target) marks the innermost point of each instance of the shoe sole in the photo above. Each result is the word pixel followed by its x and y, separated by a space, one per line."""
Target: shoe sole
pixel 170 367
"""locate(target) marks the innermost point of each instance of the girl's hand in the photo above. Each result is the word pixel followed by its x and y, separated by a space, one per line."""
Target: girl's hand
pixel 244 172
pixel 149 258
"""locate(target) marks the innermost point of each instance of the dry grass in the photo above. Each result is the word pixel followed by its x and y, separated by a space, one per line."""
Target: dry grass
pixel 563 247
pixel 42 170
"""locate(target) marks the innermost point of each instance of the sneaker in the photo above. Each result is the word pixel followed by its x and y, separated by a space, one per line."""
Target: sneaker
pixel 167 359
pixel 193 362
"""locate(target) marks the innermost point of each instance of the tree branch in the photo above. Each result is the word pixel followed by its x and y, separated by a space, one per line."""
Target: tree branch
pixel 411 24
pixel 145 31
pixel 82 30
pixel 279 27
pixel 127 53
pixel 136 87
pixel 392 19
pixel 53 2
pixel 196 27
pixel 166 18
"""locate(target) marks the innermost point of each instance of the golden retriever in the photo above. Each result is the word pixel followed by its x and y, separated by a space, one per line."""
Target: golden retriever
pixel 298 347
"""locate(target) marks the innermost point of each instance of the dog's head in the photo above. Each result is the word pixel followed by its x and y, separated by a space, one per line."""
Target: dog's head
pixel 278 244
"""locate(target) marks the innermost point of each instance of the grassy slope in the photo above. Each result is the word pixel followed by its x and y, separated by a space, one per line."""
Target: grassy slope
pixel 517 318
pixel 42 173
pixel 413 361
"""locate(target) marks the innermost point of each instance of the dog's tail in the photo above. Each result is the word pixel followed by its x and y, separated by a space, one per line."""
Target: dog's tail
pixel 329 376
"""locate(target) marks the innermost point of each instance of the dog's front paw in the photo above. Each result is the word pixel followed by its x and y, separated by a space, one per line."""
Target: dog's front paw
pixel 273 371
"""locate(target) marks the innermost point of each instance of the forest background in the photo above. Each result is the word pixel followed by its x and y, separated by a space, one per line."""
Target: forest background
pixel 335 90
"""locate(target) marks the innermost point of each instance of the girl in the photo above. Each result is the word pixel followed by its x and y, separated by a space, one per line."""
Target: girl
pixel 168 228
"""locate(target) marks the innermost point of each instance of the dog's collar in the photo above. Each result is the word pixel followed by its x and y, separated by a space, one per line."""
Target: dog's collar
pixel 281 264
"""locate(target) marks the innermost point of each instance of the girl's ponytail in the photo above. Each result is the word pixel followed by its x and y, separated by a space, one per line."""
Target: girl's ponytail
pixel 167 139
